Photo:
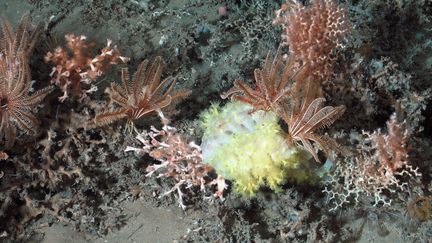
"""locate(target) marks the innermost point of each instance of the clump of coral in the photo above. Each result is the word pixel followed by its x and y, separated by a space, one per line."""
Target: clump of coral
pixel 379 168
pixel 277 126
pixel 178 159
pixel 313 33
pixel 75 67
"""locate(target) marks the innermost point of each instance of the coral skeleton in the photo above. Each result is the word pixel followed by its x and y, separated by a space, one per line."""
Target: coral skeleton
pixel 381 167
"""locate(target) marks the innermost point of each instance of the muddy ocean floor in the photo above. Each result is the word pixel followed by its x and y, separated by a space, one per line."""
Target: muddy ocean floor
pixel 101 194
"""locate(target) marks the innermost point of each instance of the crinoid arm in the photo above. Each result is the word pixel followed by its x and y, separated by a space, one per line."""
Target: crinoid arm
pixel 142 94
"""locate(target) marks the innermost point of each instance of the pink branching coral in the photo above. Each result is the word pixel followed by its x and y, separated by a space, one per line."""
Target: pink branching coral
pixel 313 33
pixel 180 160
pixel 392 148
pixel 377 171
pixel 76 67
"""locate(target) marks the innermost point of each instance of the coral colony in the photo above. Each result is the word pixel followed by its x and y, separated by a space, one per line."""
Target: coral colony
pixel 73 71
pixel 261 135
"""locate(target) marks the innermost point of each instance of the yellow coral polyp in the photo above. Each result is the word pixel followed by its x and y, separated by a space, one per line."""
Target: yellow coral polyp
pixel 248 149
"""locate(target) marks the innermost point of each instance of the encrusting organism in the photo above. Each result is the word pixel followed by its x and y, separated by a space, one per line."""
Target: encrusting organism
pixel 143 94
pixel 178 159
pixel 313 33
pixel 76 68
pixel 16 104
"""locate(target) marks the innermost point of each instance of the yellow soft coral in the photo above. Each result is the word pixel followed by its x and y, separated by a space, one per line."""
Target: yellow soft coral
pixel 248 149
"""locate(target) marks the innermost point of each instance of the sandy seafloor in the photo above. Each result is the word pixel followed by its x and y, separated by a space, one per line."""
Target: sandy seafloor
pixel 207 52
